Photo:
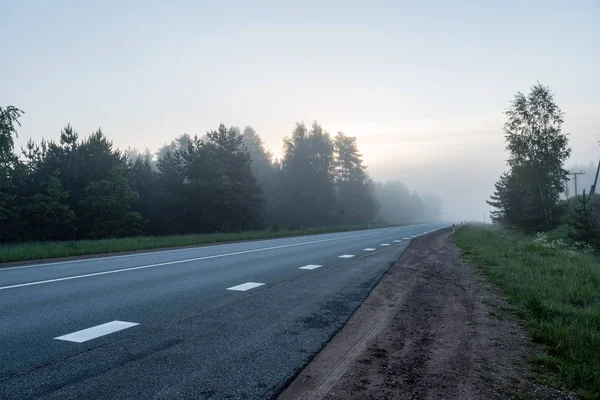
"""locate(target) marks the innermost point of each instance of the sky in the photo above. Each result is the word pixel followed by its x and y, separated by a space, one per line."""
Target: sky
pixel 422 85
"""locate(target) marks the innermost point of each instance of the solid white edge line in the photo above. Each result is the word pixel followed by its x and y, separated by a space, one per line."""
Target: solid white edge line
pixel 115 271
pixel 96 331
pixel 67 278
pixel 311 266
pixel 245 286
pixel 195 248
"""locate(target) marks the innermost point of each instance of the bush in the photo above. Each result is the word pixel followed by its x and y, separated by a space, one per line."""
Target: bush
pixel 584 227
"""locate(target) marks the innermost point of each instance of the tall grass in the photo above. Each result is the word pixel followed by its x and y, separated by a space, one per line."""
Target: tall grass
pixel 44 250
pixel 557 290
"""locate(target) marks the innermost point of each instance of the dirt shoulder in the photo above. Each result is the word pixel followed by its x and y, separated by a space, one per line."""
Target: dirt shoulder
pixel 431 329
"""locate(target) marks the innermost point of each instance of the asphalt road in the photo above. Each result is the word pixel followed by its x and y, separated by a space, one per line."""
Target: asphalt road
pixel 234 321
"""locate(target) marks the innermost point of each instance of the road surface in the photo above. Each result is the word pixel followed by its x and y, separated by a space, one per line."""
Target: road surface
pixel 233 321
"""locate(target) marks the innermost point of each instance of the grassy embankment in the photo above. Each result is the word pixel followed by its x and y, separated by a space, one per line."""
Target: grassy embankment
pixel 556 289
pixel 44 250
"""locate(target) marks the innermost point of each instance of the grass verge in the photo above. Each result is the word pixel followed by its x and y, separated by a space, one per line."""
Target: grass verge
pixel 557 291
pixel 44 250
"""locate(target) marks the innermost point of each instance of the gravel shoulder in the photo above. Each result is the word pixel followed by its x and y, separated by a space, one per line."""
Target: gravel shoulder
pixel 433 328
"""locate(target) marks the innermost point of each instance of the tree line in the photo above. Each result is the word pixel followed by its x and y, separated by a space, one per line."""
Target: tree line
pixel 225 180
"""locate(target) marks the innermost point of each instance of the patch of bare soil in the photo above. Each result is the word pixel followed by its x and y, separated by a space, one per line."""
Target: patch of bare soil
pixel 433 328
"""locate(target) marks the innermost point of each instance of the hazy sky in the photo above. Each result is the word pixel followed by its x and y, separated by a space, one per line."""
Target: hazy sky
pixel 421 84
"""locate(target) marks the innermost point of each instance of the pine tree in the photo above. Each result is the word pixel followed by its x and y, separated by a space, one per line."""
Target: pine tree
pixel 47 216
pixel 584 227
pixel 107 207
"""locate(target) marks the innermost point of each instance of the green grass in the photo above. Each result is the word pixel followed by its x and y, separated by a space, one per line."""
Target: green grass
pixel 557 291
pixel 44 250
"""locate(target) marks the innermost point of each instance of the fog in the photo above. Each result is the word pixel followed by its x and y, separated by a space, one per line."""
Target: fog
pixel 464 176
pixel 422 87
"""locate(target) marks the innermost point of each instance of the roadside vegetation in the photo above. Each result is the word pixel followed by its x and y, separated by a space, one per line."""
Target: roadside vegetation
pixel 12 252
pixel 556 286
pixel 544 251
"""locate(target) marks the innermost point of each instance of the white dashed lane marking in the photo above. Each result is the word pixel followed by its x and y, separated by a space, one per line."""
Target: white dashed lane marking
pixel 397 241
pixel 370 249
pixel 96 331
pixel 346 256
pixel 311 266
pixel 407 238
pixel 385 244
pixel 245 286
pixel 140 267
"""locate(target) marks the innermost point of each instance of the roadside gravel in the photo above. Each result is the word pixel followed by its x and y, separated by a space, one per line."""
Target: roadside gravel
pixel 433 328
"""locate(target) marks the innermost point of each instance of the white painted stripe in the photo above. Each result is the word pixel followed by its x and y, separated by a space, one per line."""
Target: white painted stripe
pixel 406 238
pixel 346 256
pixel 96 331
pixel 311 266
pixel 414 236
pixel 385 244
pixel 369 249
pixel 245 286
pixel 200 247
pixel 115 271
pixel 397 241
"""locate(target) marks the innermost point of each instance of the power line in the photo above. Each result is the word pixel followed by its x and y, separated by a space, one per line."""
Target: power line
pixel 575 178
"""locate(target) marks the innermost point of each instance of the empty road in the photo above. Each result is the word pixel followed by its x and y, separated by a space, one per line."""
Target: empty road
pixel 232 321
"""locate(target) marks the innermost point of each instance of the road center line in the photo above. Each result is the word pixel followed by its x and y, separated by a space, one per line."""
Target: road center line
pixel 96 331
pixel 311 266
pixel 115 271
pixel 245 286
pixel 146 252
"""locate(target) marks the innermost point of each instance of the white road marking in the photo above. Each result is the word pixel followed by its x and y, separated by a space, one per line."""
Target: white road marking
pixel 397 241
pixel 245 286
pixel 196 248
pixel 96 331
pixel 311 266
pixel 406 238
pixel 346 256
pixel 385 244
pixel 414 236
pixel 115 271
pixel 369 249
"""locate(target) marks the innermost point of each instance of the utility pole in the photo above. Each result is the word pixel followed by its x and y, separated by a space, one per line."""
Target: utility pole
pixel 593 189
pixel 575 177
